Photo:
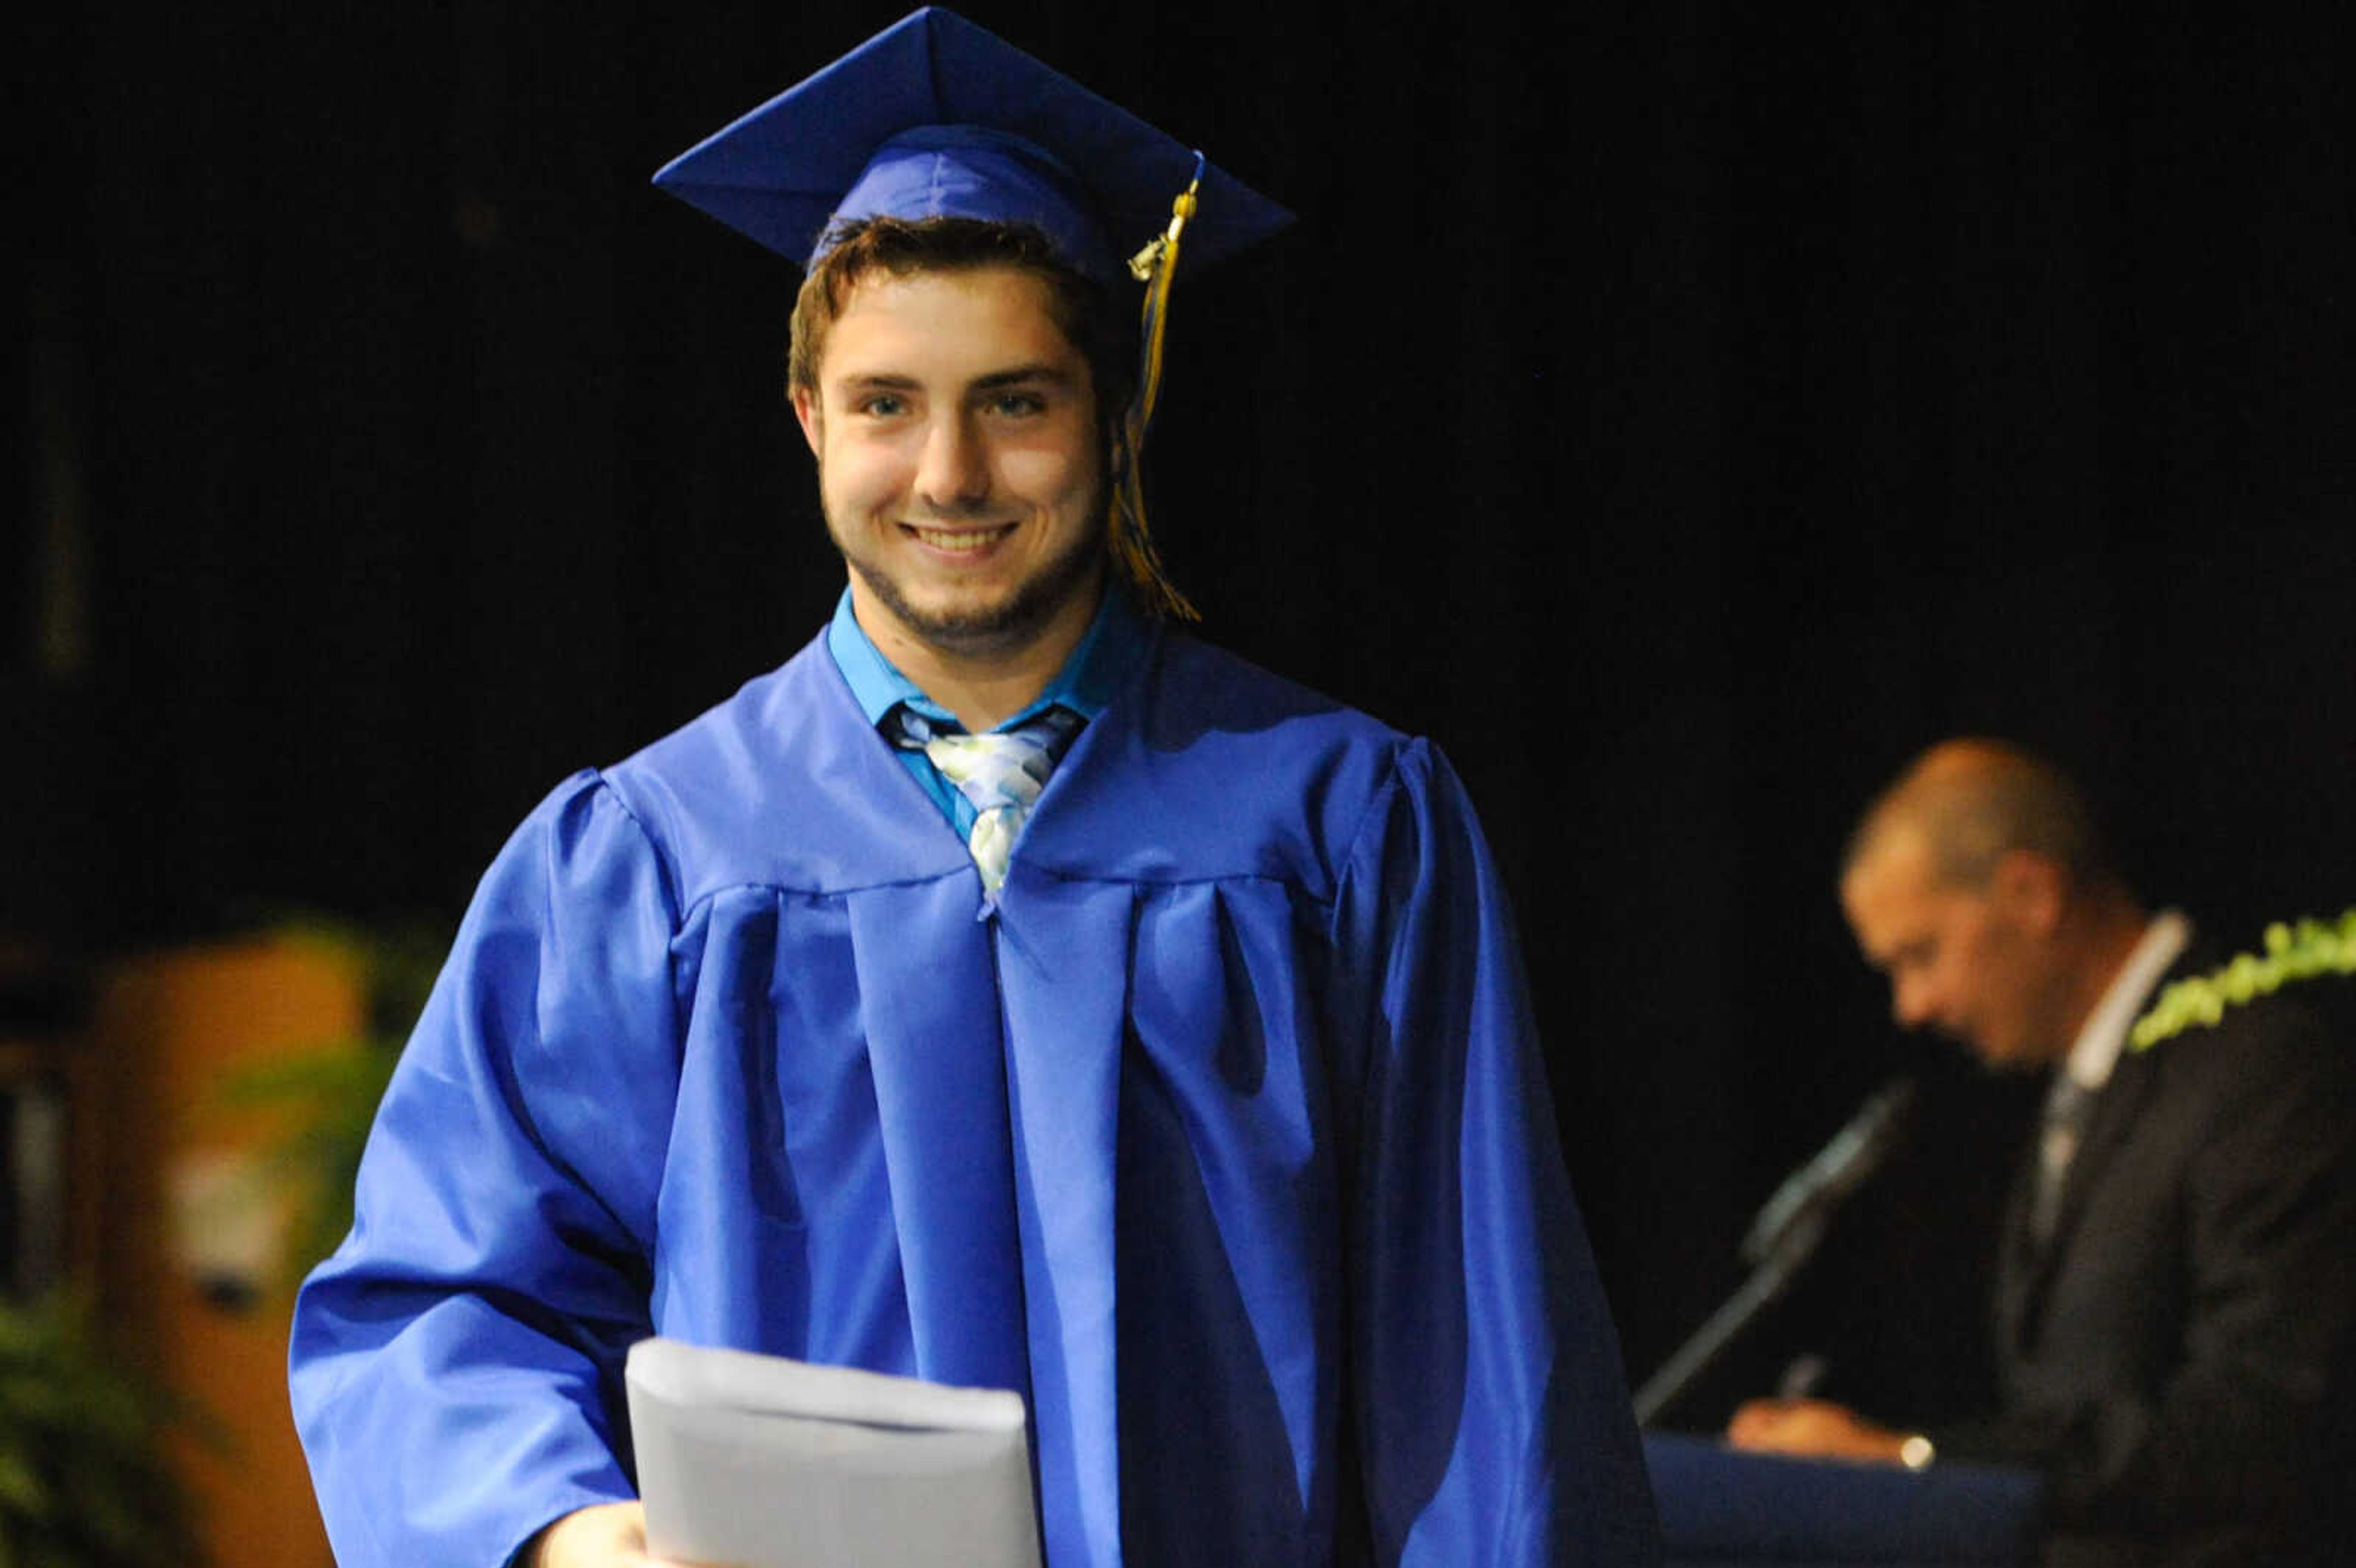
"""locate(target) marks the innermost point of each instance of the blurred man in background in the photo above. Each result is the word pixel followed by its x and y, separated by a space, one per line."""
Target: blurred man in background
pixel 2176 1279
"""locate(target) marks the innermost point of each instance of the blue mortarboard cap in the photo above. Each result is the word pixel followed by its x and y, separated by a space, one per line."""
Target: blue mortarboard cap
pixel 937 117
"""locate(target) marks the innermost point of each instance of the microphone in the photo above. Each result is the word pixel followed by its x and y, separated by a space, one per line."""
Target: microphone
pixel 1809 1194
pixel 1782 1237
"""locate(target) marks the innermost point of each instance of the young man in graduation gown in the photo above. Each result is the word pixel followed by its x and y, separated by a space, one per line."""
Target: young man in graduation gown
pixel 1192 1095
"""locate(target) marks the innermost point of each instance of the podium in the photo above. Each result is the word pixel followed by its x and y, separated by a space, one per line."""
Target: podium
pixel 1724 1508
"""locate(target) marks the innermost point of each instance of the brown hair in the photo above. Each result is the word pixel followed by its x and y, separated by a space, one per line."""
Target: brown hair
pixel 1083 311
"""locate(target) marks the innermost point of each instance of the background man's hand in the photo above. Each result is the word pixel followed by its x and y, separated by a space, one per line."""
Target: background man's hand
pixel 611 1535
pixel 1812 1428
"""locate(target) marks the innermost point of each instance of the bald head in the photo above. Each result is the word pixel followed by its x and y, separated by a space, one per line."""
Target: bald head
pixel 1978 884
pixel 1974 801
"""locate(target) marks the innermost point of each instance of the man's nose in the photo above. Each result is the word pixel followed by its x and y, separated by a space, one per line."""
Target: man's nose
pixel 953 472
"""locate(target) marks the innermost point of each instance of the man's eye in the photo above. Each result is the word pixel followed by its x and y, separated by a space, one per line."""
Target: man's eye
pixel 881 405
pixel 1017 404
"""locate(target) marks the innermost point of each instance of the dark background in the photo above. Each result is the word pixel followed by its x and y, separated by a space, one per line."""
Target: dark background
pixel 1683 413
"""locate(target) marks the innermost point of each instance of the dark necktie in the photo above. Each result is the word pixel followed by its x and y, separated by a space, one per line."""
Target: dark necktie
pixel 2063 1127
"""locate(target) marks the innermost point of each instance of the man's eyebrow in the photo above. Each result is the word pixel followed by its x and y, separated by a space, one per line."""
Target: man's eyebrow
pixel 1023 375
pixel 1013 376
pixel 883 380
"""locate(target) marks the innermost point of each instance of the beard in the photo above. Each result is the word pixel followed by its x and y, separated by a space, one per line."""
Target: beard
pixel 990 626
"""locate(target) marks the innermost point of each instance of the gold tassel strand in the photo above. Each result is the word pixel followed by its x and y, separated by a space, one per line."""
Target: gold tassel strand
pixel 1132 541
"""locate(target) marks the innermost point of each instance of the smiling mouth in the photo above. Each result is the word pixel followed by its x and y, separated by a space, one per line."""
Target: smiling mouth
pixel 957 541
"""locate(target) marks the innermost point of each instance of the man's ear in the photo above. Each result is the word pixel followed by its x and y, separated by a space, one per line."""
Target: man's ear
pixel 2031 890
pixel 806 412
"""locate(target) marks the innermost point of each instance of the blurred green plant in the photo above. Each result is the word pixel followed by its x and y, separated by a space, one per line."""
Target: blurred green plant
pixel 319 1098
pixel 2310 950
pixel 83 1481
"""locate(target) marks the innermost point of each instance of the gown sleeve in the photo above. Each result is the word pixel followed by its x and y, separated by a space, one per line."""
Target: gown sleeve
pixel 1491 1409
pixel 456 1365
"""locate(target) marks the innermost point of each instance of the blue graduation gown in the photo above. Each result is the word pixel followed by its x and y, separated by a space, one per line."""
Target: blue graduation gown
pixel 1223 1138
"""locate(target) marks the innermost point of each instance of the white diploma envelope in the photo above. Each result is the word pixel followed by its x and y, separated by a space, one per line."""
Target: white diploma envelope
pixel 756 1461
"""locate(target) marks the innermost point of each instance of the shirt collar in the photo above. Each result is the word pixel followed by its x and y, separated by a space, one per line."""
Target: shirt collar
pixel 2096 1049
pixel 1086 683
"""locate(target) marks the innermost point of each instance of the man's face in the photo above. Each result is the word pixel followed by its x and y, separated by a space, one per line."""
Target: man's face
pixel 959 462
pixel 1968 962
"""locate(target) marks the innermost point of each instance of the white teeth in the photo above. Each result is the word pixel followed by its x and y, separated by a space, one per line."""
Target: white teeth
pixel 960 540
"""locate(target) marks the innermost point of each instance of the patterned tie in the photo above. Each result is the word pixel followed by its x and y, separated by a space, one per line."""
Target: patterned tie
pixel 1000 773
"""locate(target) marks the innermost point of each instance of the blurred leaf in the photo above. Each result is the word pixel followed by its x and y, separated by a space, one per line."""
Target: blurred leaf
pixel 84 1483
pixel 321 1098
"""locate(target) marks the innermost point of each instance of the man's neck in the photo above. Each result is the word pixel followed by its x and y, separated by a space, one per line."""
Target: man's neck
pixel 985 685
pixel 2107 941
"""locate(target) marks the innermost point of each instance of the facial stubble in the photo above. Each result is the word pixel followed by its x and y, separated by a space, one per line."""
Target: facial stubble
pixel 995 628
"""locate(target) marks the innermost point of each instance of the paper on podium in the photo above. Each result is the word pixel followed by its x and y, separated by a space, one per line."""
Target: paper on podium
pixel 756 1461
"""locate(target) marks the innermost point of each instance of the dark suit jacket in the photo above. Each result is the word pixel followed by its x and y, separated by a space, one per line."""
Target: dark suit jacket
pixel 2177 1357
